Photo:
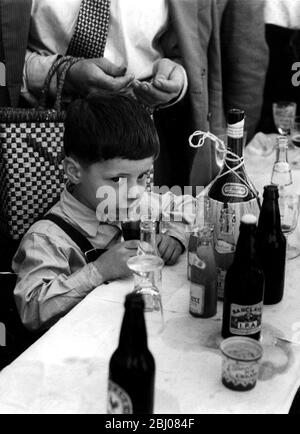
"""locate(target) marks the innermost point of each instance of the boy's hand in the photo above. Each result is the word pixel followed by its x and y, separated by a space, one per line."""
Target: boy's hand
pixel 113 263
pixel 167 83
pixel 89 75
pixel 169 248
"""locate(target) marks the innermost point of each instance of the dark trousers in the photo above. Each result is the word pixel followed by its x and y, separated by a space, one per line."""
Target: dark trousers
pixel 174 126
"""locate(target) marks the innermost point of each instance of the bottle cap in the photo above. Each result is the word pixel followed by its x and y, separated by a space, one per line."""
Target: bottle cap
pixel 206 231
pixel 282 141
pixel 235 116
pixel 271 192
pixel 249 219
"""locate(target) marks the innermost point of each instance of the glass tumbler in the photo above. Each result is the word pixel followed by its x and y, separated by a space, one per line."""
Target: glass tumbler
pixel 147 271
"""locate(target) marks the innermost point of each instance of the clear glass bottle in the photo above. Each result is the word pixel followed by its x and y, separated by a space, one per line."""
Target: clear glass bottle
pixel 148 245
pixel 202 213
pixel 203 287
pixel 282 174
pixel 224 247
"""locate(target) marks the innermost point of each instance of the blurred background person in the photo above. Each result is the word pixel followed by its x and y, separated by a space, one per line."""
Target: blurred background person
pixel 282 18
pixel 14 14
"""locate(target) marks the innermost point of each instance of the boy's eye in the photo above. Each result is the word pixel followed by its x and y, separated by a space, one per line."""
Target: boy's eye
pixel 116 180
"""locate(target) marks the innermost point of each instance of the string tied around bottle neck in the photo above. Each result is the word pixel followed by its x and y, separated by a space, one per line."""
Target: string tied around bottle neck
pixel 229 156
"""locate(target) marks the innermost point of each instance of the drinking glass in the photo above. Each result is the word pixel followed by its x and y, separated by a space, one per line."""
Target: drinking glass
pixel 284 114
pixel 295 138
pixel 289 205
pixel 131 230
pixel 147 271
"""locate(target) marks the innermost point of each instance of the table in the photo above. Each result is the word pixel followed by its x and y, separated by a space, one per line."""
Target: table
pixel 66 370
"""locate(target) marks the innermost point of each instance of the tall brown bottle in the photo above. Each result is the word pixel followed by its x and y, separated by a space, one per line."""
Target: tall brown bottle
pixel 244 286
pixel 132 366
pixel 271 245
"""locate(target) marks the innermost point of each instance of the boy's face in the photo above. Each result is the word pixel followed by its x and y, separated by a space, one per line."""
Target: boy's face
pixel 117 182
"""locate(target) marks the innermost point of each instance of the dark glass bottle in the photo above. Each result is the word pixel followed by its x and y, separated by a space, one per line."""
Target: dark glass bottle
pixel 232 184
pixel 271 245
pixel 244 286
pixel 132 366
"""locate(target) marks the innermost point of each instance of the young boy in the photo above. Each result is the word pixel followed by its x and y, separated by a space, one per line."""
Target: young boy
pixel 110 144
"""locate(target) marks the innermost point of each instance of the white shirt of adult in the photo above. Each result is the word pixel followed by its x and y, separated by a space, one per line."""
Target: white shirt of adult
pixel 283 13
pixel 134 29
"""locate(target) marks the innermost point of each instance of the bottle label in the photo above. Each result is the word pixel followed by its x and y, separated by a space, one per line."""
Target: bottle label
pixel 245 320
pixel 224 247
pixel 191 259
pixel 235 190
pixel 236 131
pixel 197 299
pixel 118 401
pixel 221 274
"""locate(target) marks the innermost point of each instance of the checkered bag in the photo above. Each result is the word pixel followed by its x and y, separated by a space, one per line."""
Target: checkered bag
pixel 31 154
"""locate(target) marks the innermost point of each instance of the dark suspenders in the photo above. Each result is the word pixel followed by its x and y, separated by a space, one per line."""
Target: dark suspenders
pixel 90 253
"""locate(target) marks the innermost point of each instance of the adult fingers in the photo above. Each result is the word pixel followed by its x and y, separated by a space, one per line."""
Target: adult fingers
pixel 171 85
pixel 109 67
pixel 163 68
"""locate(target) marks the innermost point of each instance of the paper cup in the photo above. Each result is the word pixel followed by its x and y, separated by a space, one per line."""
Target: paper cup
pixel 240 363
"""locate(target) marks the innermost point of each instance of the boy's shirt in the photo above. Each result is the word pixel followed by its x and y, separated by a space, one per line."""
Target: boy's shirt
pixel 53 275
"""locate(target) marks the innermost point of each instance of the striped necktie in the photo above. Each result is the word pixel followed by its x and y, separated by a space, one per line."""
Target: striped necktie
pixel 91 30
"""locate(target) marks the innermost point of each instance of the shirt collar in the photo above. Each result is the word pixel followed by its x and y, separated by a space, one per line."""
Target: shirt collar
pixel 79 214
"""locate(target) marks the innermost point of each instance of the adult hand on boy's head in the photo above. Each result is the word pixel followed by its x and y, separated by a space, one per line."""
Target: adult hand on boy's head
pixel 169 248
pixel 113 263
pixel 168 81
pixel 90 75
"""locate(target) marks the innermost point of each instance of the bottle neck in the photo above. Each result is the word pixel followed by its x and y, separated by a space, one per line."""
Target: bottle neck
pixel 282 156
pixel 148 237
pixel 245 250
pixel 235 140
pixel 133 336
pixel 269 219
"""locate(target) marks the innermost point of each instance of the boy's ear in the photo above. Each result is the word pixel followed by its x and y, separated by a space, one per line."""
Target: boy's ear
pixel 73 170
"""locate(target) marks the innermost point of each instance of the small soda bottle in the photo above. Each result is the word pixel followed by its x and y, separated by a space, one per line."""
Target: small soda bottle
pixel 224 247
pixel 202 219
pixel 282 175
pixel 203 289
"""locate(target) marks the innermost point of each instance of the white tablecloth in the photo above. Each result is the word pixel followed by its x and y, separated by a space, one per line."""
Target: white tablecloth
pixel 66 370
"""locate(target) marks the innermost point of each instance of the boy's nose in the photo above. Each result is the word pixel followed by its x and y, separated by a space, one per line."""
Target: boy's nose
pixel 134 192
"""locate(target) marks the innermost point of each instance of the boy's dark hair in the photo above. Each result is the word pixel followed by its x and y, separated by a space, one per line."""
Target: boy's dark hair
pixel 107 125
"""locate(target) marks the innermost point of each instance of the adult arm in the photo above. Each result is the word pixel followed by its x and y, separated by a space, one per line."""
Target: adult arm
pixel 85 76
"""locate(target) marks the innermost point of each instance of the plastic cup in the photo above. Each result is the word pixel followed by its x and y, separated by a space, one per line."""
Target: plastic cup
pixel 240 363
